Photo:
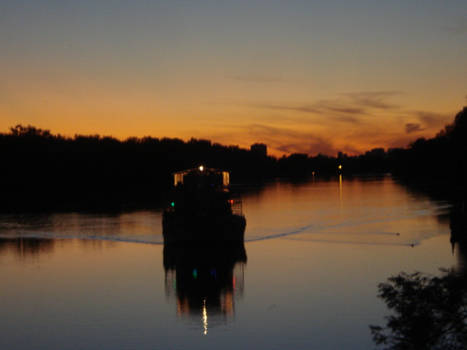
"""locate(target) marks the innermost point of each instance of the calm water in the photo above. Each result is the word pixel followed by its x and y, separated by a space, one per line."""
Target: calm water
pixel 307 279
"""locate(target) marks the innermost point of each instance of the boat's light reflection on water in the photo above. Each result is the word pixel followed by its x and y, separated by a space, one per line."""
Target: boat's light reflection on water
pixel 205 280
pixel 300 290
pixel 205 318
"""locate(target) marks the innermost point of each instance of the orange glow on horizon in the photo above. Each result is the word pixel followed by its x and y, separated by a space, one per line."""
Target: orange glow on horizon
pixel 306 77
pixel 281 137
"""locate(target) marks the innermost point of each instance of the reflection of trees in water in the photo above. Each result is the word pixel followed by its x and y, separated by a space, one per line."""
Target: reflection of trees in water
pixel 205 279
pixel 458 226
pixel 24 247
pixel 456 215
pixel 96 244
pixel 428 312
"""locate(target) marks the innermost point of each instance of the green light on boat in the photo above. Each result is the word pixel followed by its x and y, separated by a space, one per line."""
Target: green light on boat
pixel 172 204
pixel 195 273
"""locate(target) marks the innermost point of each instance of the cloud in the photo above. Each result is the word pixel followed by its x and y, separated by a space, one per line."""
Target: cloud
pixel 338 107
pixel 352 123
pixel 429 118
pixel 432 119
pixel 347 108
pixel 373 99
pixel 321 108
pixel 291 141
pixel 413 127
pixel 326 139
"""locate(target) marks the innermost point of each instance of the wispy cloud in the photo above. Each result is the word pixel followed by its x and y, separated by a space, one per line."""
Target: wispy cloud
pixel 291 141
pixel 413 127
pixel 373 99
pixel 341 112
pixel 387 131
pixel 431 119
pixel 352 122
pixel 348 107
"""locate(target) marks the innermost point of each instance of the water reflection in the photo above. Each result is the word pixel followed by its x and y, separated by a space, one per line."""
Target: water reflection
pixel 26 247
pixel 456 215
pixel 429 312
pixel 117 296
pixel 458 226
pixel 205 279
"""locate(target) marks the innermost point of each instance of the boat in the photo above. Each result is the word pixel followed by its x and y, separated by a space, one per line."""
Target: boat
pixel 202 208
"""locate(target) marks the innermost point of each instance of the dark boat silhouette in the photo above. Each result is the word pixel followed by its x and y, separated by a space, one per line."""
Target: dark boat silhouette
pixel 202 208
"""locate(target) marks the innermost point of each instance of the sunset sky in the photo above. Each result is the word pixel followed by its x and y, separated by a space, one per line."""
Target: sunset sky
pixel 300 76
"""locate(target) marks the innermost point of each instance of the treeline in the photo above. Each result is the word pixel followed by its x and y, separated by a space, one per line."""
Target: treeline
pixel 38 168
pixel 41 170
pixel 440 158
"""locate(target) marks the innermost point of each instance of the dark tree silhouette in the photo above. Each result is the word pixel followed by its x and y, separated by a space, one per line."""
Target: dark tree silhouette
pixel 40 170
pixel 441 158
pixel 428 312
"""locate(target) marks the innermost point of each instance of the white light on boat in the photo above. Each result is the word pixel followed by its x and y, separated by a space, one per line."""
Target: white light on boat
pixel 201 168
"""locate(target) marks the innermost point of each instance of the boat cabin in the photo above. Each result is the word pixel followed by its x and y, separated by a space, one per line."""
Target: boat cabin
pixel 202 178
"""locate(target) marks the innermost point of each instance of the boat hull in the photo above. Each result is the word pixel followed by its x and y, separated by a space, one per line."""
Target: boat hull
pixel 195 228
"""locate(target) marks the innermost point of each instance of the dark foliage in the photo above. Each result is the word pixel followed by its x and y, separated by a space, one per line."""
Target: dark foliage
pixel 41 170
pixel 428 312
pixel 443 157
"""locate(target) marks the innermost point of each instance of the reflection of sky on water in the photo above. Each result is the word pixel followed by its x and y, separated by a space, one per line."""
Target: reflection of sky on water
pixel 370 212
pixel 297 291
pixel 351 211
pixel 138 227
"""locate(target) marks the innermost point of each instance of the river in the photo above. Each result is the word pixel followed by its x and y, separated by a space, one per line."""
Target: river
pixel 307 278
